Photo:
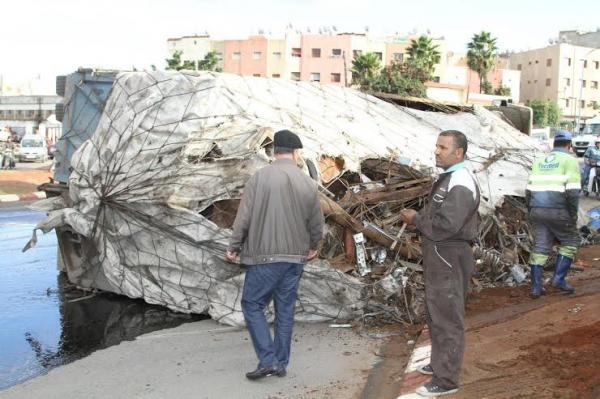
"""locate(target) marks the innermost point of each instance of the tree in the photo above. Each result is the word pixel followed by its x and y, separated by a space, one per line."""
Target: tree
pixel 422 57
pixel 554 113
pixel 545 112
pixel 502 91
pixel 486 88
pixel 210 62
pixel 174 63
pixel 482 55
pixel 393 79
pixel 365 68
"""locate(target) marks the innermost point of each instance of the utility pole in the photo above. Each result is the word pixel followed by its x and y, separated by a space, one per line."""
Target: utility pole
pixel 578 106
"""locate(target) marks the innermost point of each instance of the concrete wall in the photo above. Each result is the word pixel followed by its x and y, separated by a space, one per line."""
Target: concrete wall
pixel 246 57
pixel 584 39
pixel 328 63
pixel 193 48
pixel 276 58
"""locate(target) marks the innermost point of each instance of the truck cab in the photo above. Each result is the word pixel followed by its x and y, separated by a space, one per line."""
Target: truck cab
pixel 587 137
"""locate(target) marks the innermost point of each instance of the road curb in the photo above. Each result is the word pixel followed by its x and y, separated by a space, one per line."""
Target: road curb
pixel 22 197
pixel 412 379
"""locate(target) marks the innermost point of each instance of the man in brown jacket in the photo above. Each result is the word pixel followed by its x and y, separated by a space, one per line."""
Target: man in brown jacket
pixel 277 228
pixel 448 224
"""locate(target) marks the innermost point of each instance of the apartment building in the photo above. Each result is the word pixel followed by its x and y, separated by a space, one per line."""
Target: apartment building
pixel 565 73
pixel 327 58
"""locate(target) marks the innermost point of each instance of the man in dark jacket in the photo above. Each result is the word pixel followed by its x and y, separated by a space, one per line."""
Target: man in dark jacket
pixel 448 224
pixel 278 227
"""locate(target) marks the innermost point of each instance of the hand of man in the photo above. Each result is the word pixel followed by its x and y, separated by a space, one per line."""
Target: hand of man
pixel 407 215
pixel 230 256
pixel 312 253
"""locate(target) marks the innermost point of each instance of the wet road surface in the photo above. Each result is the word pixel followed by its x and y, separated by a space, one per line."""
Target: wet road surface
pixel 46 322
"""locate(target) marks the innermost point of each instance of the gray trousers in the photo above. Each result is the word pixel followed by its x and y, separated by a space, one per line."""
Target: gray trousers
pixel 550 224
pixel 448 268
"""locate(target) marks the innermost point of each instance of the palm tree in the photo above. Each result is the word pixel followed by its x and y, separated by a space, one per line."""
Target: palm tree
pixel 481 56
pixel 422 56
pixel 364 69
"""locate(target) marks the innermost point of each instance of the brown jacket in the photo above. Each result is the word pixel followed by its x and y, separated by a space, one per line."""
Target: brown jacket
pixel 279 218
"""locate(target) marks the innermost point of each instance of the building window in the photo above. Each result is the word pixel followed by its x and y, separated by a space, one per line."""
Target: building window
pixel 529 82
pixel 356 53
pixel 519 67
pixel 316 53
pixel 296 52
pixel 30 113
pixel 256 55
pixel 583 83
pixel 399 57
pixel 568 61
pixel 276 75
pixel 594 104
pixel 277 55
pixel 256 75
pixel 567 82
pixel 436 79
pixel 594 84
pixel 379 55
pixel 236 56
pixel 315 77
pixel 529 62
pixel 549 62
pixel 335 77
pixel 584 63
pixel 295 76
pixel 548 82
pixel 597 64
pixel 220 56
pixel 567 102
pixel 582 105
pixel 537 62
pixel 336 52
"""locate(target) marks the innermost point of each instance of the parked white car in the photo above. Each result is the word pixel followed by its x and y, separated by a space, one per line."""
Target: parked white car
pixel 32 149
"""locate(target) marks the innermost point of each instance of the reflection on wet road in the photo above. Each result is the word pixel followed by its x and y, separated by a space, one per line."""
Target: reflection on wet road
pixel 46 321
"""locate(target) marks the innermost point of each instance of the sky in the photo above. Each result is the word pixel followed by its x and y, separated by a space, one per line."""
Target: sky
pixel 42 39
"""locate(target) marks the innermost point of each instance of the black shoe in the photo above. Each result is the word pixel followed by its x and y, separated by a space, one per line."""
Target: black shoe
pixel 427 369
pixel 431 390
pixel 263 372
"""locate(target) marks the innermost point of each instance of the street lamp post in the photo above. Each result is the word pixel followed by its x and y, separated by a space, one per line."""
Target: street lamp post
pixel 583 60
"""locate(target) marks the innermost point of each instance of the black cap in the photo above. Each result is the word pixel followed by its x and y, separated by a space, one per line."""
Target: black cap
pixel 287 139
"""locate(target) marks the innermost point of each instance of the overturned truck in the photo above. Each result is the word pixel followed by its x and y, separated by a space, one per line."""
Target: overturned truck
pixel 152 195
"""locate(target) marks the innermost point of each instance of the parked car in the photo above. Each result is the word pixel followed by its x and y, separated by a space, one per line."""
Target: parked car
pixel 33 149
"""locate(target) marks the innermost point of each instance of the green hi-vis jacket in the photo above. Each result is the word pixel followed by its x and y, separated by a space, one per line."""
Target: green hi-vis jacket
pixel 555 182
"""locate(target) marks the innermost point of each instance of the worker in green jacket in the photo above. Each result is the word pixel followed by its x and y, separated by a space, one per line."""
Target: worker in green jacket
pixel 553 201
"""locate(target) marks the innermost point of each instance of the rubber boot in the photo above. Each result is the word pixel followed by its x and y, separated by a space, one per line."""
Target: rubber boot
pixel 537 284
pixel 563 264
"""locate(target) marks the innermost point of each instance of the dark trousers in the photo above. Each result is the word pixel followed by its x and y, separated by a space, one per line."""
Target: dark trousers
pixel 448 268
pixel 277 281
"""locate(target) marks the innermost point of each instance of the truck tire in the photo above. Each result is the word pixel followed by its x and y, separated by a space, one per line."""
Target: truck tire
pixel 61 82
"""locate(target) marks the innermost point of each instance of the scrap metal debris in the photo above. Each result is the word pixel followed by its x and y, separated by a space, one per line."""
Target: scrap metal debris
pixel 154 192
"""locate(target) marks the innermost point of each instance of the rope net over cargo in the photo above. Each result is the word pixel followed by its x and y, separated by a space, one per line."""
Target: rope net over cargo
pixel 153 194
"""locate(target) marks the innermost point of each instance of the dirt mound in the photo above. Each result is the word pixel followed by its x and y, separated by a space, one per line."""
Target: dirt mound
pixel 570 360
pixel 16 187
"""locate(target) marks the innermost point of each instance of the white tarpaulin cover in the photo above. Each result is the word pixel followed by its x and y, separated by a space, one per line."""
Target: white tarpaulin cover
pixel 171 144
